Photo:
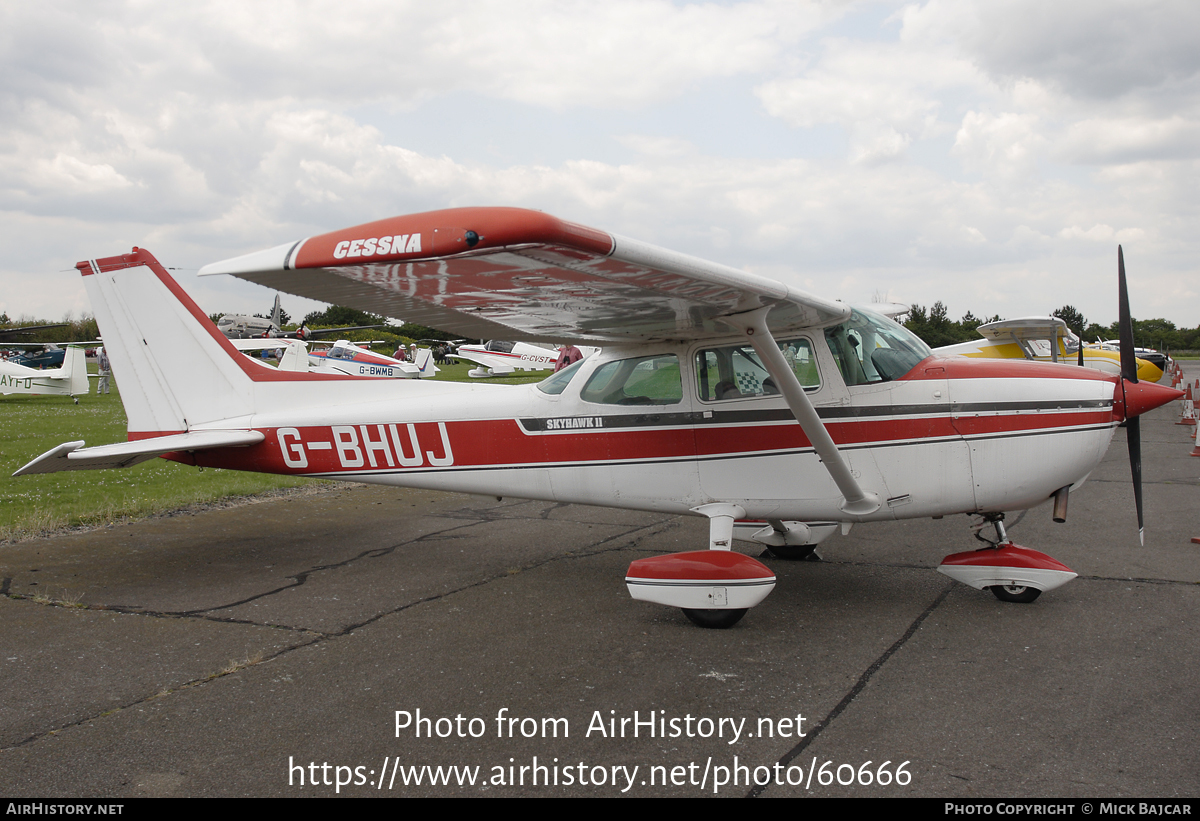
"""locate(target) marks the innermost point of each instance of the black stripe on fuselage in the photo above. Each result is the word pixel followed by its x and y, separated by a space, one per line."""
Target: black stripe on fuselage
pixel 759 415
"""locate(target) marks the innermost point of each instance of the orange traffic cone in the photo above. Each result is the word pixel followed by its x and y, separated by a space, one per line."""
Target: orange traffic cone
pixel 1188 416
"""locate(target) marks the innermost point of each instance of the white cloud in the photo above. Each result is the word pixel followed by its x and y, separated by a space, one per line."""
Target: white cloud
pixel 1095 49
pixel 884 95
pixel 1003 145
pixel 1102 233
pixel 545 52
pixel 1118 140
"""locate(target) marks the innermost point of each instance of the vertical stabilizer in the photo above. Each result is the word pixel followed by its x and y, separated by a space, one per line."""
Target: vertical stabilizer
pixel 424 361
pixel 75 370
pixel 175 369
pixel 295 357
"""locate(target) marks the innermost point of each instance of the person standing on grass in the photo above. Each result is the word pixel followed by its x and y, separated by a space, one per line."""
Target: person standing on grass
pixel 105 371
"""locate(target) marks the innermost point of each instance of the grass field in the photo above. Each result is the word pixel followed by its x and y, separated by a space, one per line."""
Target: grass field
pixel 29 505
pixel 33 505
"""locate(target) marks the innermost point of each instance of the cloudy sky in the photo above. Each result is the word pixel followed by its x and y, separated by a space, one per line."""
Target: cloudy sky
pixel 989 154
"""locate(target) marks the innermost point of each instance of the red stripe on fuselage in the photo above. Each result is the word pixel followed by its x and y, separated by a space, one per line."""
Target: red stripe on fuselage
pixel 517 356
pixel 962 367
pixel 397 447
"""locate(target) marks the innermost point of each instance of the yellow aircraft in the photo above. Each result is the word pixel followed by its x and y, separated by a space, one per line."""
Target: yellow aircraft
pixel 1044 339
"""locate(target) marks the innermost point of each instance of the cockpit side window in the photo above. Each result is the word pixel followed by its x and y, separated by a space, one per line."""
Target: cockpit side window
pixel 871 349
pixel 735 372
pixel 644 380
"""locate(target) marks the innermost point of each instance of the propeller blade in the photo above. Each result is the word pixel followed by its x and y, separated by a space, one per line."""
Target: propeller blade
pixel 1133 422
pixel 1128 360
pixel 1133 432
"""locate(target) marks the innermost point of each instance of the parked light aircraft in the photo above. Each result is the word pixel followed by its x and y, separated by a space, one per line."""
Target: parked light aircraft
pixel 38 354
pixel 497 358
pixel 1156 358
pixel 1044 339
pixel 71 379
pixel 342 358
pixel 718 393
pixel 346 357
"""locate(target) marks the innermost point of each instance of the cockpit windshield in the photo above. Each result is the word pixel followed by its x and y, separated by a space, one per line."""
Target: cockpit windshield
pixel 869 348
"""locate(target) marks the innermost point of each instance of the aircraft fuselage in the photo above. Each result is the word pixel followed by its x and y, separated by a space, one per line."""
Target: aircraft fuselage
pixel 951 435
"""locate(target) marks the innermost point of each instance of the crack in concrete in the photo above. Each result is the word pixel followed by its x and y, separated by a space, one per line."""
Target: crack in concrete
pixel 228 670
pixel 636 534
pixel 858 687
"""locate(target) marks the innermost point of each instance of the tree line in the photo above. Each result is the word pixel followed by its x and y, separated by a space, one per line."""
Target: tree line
pixel 935 327
pixel 81 329
pixel 84 328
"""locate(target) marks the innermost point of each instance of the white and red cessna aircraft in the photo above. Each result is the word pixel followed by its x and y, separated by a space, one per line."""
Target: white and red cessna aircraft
pixel 498 357
pixel 718 393
pixel 346 357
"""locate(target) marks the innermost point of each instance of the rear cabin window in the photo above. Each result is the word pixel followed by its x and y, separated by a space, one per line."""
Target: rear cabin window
pixel 646 380
pixel 735 372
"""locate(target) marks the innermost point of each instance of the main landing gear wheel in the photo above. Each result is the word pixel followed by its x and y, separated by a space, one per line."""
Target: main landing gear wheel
pixel 1016 593
pixel 794 552
pixel 716 619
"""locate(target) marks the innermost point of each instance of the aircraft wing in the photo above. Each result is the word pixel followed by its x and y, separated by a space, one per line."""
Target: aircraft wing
pixel 1030 327
pixel 73 456
pixel 266 344
pixel 26 330
pixel 889 309
pixel 511 273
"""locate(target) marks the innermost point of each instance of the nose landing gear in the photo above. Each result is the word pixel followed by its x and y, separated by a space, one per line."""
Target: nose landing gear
pixel 1013 573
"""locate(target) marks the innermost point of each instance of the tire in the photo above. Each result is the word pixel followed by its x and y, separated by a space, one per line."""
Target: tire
pixel 715 619
pixel 1015 593
pixel 795 552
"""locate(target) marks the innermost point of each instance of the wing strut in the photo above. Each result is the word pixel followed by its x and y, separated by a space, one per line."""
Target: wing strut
pixel 858 502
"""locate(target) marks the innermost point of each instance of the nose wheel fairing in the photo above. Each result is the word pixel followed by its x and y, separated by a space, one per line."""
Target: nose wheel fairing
pixel 1011 568
pixel 701 580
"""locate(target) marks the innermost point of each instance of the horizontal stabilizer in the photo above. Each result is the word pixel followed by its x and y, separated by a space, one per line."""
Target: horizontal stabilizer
pixel 73 456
